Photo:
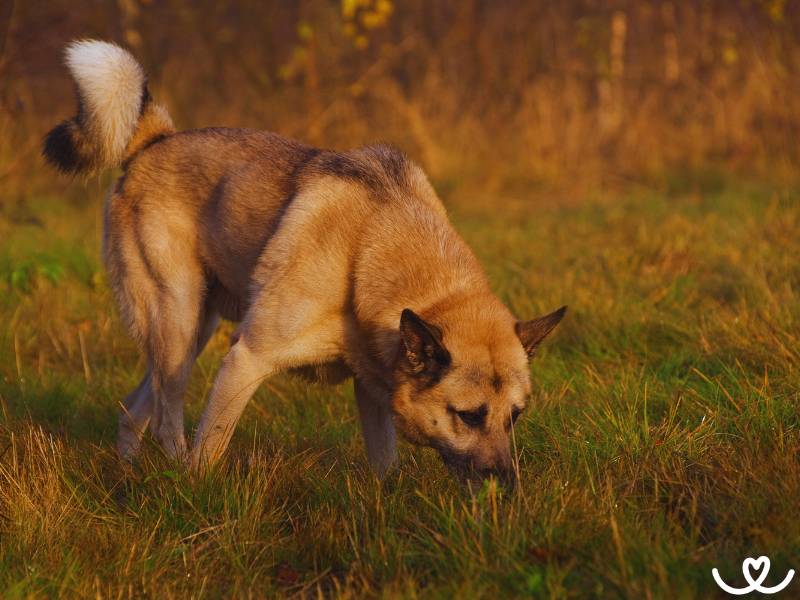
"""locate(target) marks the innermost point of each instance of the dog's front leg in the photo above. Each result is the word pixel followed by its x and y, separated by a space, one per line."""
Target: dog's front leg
pixel 259 351
pixel 377 426
pixel 237 380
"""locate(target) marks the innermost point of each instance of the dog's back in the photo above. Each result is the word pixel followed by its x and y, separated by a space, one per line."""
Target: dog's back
pixel 235 185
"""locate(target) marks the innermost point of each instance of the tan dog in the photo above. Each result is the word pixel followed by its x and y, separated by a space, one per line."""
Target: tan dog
pixel 341 264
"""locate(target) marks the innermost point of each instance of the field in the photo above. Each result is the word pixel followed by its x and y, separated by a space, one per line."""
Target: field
pixel 664 438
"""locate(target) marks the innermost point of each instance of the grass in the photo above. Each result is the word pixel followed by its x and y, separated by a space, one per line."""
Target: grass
pixel 665 438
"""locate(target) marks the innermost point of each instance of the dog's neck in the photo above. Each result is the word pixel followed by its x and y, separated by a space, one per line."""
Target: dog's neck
pixel 441 281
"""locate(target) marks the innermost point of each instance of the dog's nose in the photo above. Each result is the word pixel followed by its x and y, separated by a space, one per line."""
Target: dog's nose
pixel 498 463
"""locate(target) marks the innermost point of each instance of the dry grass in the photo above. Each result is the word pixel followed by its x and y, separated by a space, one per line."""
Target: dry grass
pixel 537 92
pixel 664 442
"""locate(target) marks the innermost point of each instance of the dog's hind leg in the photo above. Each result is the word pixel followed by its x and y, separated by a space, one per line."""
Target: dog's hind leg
pixel 184 329
pixel 134 417
pixel 138 406
pixel 160 284
pixel 377 426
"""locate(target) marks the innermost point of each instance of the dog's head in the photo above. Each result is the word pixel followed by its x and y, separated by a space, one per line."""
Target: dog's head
pixel 462 382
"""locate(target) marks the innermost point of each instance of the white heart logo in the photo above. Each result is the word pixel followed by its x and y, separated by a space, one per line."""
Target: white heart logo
pixel 749 566
pixel 762 562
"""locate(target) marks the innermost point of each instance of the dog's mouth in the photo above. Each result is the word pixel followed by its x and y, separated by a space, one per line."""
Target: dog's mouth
pixel 457 463
pixel 462 467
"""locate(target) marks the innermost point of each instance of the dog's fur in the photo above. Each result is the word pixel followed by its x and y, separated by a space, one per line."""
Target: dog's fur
pixel 337 263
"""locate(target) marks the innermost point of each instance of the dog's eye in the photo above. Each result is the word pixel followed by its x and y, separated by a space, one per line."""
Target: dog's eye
pixel 515 413
pixel 473 418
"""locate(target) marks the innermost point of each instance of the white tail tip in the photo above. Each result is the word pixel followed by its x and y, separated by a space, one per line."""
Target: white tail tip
pixel 111 85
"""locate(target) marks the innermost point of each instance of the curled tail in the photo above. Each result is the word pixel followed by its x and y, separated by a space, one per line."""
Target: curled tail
pixel 116 115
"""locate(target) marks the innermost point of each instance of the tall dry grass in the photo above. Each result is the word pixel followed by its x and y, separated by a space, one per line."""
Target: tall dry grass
pixel 500 93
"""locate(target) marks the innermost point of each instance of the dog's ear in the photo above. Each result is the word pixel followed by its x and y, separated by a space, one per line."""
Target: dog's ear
pixel 531 333
pixel 425 353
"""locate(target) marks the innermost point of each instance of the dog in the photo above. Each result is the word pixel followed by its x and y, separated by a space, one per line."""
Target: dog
pixel 333 264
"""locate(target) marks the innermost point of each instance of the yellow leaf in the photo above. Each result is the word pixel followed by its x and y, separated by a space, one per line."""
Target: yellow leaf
pixel 304 31
pixel 372 20
pixel 349 8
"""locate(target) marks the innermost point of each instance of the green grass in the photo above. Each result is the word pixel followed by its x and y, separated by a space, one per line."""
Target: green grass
pixel 665 438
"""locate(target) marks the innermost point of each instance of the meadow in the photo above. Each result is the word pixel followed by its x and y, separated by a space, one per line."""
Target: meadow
pixel 663 438
pixel 635 160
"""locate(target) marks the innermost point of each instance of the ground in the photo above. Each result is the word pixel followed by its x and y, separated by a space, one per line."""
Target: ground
pixel 663 438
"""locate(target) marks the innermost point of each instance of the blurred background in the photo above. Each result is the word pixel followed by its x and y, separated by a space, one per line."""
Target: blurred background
pixel 504 95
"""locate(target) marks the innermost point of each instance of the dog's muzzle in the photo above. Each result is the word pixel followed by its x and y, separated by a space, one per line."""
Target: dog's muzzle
pixel 470 470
